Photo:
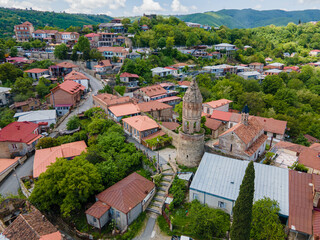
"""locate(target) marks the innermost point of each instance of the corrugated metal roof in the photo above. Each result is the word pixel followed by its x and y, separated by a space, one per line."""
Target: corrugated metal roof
pixel 222 177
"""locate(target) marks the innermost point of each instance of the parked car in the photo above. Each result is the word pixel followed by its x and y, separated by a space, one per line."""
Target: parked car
pixel 174 237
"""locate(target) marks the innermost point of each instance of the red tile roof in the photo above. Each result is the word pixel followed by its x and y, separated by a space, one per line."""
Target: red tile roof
pixel 310 158
pixel 5 163
pixel 67 65
pixel 213 124
pixel 98 209
pixel 36 70
pixel 103 63
pixel 110 99
pixel 112 49
pixel 154 90
pixel 218 103
pixel 184 83
pixel 44 157
pixel 170 68
pixel 152 106
pixel 92 35
pixel 125 74
pixel 171 125
pixel 124 109
pixel 256 145
pixel 127 193
pixel 315 146
pixel 272 125
pixel 70 87
pixel 74 75
pixel 300 202
pixel 19 132
pixel 168 99
pixel 316 224
pixel 256 64
pixel 290 146
pixel 141 123
pixel 32 226
pixel 177 65
pixel 222 116
pixel 311 139
pixel 246 132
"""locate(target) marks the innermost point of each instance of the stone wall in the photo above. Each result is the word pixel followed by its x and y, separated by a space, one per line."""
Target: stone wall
pixel 190 149
pixel 175 136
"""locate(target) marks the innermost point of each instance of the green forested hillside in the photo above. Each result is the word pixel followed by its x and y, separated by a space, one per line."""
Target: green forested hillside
pixel 11 17
pixel 249 18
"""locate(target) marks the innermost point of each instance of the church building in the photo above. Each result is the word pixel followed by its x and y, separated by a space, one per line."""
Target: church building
pixel 246 140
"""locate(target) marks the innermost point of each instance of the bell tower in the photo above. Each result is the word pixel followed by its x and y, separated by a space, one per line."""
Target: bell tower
pixel 191 136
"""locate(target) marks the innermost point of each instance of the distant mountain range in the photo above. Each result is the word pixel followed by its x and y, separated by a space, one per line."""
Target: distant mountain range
pixel 10 17
pixel 246 18
pixel 249 18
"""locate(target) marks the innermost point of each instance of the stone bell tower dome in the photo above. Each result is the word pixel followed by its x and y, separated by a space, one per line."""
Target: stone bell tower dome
pixel 191 136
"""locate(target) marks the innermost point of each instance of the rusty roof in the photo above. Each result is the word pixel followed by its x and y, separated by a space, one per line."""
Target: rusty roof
pixel 127 193
pixel 98 209
pixel 300 202
pixel 212 123
pixel 31 226
pixel 152 106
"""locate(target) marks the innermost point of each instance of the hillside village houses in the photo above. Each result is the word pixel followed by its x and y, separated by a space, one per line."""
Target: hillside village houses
pixel 27 105
pixel 103 66
pixel 218 179
pixel 122 202
pixel 140 127
pixel 44 157
pixel 18 139
pixel 78 77
pixel 65 96
pixel 23 32
pixel 37 73
pixel 41 116
pixel 5 96
pixel 130 80
pixel 110 52
pixel 220 105
pixel 246 140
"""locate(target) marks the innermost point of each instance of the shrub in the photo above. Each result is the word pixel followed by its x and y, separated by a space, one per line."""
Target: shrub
pixel 73 123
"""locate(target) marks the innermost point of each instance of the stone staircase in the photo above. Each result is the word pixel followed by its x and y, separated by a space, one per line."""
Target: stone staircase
pixel 159 198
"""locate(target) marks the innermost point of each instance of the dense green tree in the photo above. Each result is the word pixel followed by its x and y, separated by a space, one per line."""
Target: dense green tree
pixel 271 84
pixel 96 55
pixel 9 73
pixel 208 223
pixel 23 86
pixel 73 123
pixel 47 142
pixel 61 51
pixel 169 42
pixel 178 190
pixel 82 44
pixel 242 211
pixel 161 42
pixel 6 117
pixel 266 224
pixel 13 52
pixel 67 184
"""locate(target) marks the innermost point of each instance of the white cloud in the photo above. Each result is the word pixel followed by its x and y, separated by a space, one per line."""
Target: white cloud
pixel 87 6
pixel 34 4
pixel 148 6
pixel 178 7
pixel 258 6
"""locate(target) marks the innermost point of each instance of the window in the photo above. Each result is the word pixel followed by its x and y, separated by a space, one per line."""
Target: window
pixel 14 146
pixel 117 214
pixel 274 135
pixel 231 148
pixel 221 204
pixel 195 196
pixel 94 219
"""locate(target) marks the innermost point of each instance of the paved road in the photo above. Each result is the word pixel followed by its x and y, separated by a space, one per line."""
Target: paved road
pixel 149 152
pixel 147 234
pixel 86 104
pixel 10 183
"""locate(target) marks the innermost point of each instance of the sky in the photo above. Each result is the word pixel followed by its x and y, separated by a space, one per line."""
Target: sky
pixel 119 8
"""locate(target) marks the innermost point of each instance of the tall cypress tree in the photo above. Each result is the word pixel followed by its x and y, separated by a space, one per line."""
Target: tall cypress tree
pixel 242 211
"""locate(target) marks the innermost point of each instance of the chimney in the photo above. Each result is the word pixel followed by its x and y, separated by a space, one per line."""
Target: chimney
pixel 43 218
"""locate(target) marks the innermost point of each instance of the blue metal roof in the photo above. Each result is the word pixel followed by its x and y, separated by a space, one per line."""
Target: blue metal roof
pixel 222 177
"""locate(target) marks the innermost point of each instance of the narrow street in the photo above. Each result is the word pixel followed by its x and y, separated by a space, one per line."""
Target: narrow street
pixel 10 184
